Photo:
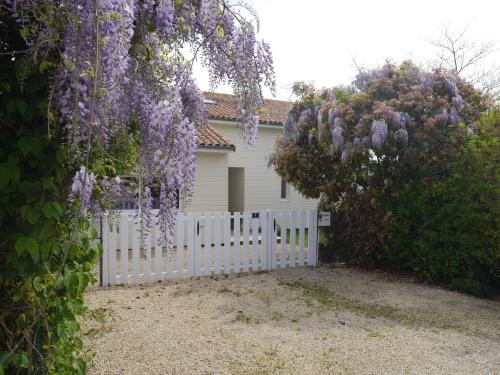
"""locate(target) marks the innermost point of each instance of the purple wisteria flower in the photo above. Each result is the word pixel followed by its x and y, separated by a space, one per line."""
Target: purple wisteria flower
pixel 400 119
pixel 454 117
pixel 337 139
pixel 82 187
pixel 401 135
pixel 379 133
pixel 320 118
pixel 122 69
pixel 333 113
pixel 457 101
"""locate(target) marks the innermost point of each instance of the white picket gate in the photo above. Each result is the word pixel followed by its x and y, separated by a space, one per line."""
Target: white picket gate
pixel 211 243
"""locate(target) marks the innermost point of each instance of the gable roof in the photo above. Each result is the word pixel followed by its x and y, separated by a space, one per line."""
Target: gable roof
pixel 223 107
pixel 208 137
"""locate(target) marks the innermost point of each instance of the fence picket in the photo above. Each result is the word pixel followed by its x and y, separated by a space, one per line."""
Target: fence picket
pixel 124 248
pixel 302 224
pixel 313 238
pixel 274 239
pixel 191 232
pixel 158 243
pixel 264 248
pixel 293 226
pixel 217 241
pixel 112 254
pixel 169 245
pixel 147 255
pixel 207 265
pixel 255 243
pixel 135 249
pixel 227 243
pixel 236 243
pixel 105 250
pixel 284 220
pixel 197 245
pixel 246 235
pixel 180 245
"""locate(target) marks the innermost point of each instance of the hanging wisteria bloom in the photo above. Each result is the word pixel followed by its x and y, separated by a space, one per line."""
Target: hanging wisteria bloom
pixel 82 188
pixel 400 119
pixel 457 101
pixel 379 133
pixel 123 78
pixel 401 135
pixel 337 138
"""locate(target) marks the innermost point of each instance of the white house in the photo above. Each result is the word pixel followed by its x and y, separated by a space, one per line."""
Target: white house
pixel 230 176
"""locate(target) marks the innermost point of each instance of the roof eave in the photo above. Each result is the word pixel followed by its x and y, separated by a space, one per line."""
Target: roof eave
pixel 217 147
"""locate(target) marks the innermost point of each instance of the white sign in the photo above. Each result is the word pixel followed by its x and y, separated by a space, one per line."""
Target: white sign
pixel 324 219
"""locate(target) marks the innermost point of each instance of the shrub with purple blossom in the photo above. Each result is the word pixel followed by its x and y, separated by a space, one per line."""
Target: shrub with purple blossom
pixel 392 126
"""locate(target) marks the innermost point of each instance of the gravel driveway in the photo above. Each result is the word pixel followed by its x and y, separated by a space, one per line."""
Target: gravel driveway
pixel 298 321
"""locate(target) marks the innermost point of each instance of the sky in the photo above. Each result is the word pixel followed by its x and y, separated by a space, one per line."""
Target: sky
pixel 317 40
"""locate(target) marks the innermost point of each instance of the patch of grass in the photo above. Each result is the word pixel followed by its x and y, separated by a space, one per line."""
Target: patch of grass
pixel 276 315
pixel 315 294
pixel 241 318
pixel 227 290
pixel 266 298
pixel 270 362
pixel 373 333
pixel 98 322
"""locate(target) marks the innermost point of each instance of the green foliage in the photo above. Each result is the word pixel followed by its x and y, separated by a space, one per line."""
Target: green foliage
pixel 447 231
pixel 426 205
pixel 45 257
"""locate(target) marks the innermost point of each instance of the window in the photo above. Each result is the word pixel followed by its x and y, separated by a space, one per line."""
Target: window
pixel 284 189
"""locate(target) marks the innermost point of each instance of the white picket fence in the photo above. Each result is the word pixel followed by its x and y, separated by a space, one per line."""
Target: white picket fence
pixel 211 243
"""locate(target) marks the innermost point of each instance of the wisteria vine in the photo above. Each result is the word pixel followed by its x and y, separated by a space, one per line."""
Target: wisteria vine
pixel 122 68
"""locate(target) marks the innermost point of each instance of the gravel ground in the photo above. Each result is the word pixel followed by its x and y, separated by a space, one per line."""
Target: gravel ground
pixel 298 321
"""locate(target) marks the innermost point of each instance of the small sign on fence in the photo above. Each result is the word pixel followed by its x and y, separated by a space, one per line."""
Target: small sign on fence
pixel 324 218
pixel 255 215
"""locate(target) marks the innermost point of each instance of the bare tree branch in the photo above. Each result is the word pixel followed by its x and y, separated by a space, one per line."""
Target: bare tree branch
pixel 465 58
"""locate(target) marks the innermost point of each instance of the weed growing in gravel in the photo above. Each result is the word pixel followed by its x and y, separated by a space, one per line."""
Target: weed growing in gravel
pixel 227 290
pixel 270 362
pixel 99 321
pixel 266 298
pixel 318 294
pixel 314 294
pixel 241 317
pixel 373 333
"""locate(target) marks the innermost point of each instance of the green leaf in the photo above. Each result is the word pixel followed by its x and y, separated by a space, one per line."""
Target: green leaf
pixel 30 144
pixel 23 360
pixel 52 210
pixel 80 366
pixel 37 283
pixel 30 214
pixel 45 65
pixel 4 176
pixel 48 183
pixel 28 244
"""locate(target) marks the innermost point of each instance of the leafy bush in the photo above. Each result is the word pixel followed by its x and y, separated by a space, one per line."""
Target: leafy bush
pixel 447 231
pixel 45 259
pixel 368 150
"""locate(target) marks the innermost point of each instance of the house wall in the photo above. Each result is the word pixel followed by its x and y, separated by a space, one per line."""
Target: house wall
pixel 262 184
pixel 211 183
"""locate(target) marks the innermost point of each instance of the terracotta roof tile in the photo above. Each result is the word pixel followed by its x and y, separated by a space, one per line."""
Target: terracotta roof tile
pixel 209 137
pixel 223 107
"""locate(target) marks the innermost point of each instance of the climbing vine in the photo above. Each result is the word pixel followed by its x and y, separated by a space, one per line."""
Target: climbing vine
pixel 90 92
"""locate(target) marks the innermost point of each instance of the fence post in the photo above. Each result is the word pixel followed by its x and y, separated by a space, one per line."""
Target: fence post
pixel 105 248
